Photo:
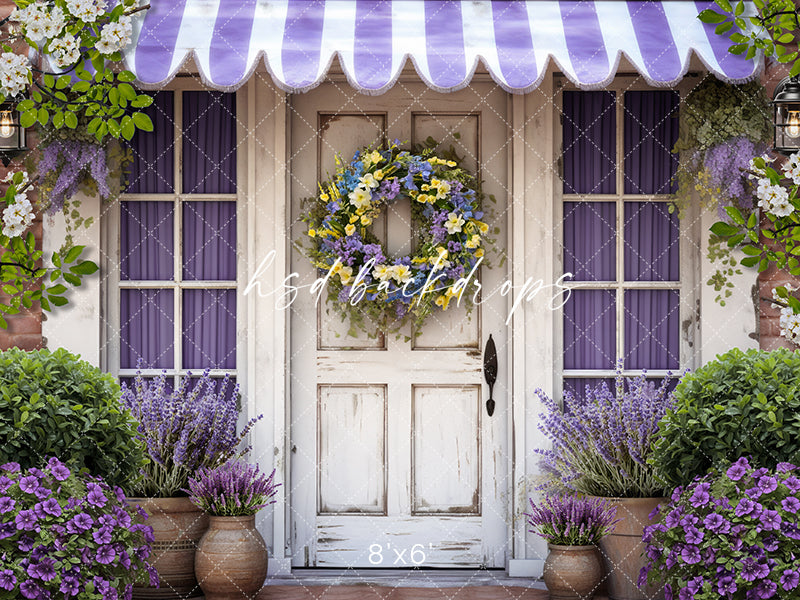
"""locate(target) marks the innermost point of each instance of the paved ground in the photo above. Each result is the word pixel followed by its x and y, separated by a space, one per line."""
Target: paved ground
pixel 369 592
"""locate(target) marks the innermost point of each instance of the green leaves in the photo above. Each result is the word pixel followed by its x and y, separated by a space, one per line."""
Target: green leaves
pixel 723 229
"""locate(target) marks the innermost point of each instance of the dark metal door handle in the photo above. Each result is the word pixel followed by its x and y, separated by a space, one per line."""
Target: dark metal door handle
pixel 490 371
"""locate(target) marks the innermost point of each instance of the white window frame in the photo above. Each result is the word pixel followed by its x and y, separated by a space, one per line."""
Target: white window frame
pixel 111 256
pixel 689 247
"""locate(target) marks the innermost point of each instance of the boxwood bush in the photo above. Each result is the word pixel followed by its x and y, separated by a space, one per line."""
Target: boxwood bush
pixel 54 404
pixel 741 404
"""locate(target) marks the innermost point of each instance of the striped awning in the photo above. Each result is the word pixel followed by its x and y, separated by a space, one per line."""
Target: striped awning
pixel 515 40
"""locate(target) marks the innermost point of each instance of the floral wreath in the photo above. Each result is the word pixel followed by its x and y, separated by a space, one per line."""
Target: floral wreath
pixel 363 282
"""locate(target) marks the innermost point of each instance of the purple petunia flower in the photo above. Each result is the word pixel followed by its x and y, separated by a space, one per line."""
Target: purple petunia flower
pixel 790 579
pixel 694 535
pixel 738 469
pixel 25 543
pixel 11 467
pixel 767 484
pixel 102 535
pixel 81 522
pixel 766 589
pixel 700 496
pixel 690 555
pixel 30 590
pixel 105 554
pixel 5 483
pixel 69 586
pixel 6 504
pixel 793 483
pixel 51 507
pixel 754 492
pixel 26 520
pixel 770 519
pixel 8 580
pixel 29 484
pixel 785 467
pixel 96 498
pixel 752 570
pixel 717 523
pixel 726 585
pixel 789 504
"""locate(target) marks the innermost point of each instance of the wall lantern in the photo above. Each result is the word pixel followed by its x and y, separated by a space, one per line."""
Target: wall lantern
pixel 786 116
pixel 12 134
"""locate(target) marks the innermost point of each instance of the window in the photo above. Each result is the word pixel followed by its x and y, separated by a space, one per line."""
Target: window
pixel 619 239
pixel 176 300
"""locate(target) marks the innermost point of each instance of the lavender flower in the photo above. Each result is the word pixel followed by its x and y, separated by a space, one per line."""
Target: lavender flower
pixel 184 430
pixel 602 442
pixel 571 520
pixel 232 489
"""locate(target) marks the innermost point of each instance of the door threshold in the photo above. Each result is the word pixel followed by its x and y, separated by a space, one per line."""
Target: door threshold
pixel 418 578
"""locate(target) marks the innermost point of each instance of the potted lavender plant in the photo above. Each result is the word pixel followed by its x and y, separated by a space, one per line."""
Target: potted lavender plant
pixel 232 557
pixel 601 446
pixel 187 429
pixel 572 526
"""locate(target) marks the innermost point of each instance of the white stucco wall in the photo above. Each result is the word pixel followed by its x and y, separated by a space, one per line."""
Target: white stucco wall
pixel 76 326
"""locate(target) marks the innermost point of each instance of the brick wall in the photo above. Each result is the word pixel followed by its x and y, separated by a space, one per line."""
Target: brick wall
pixel 25 329
pixel 769 328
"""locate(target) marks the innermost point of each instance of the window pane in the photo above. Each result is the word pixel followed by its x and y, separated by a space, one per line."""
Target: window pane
pixel 152 171
pixel 577 387
pixel 209 143
pixel 169 382
pixel 146 240
pixel 590 240
pixel 651 130
pixel 590 330
pixel 146 331
pixel 652 246
pixel 228 392
pixel 209 329
pixel 652 329
pixel 589 140
pixel 209 240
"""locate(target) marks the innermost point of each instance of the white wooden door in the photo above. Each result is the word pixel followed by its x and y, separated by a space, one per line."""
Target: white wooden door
pixel 394 460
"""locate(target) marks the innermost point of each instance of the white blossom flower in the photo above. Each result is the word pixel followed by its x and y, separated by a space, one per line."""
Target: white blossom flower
pixel 54 22
pixel 774 198
pixel 115 36
pixel 65 51
pixel 790 325
pixel 17 218
pixel 14 73
pixel 9 178
pixel 792 168
pixel 86 10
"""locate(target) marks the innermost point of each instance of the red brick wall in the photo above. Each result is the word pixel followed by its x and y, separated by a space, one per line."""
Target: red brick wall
pixel 769 328
pixel 25 329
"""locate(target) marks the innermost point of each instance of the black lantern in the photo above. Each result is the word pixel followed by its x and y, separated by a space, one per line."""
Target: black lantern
pixel 786 115
pixel 12 134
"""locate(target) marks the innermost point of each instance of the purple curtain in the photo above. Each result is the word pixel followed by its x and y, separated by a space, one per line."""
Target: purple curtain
pixel 652 329
pixel 209 329
pixel 146 240
pixel 146 328
pixel 589 130
pixel 652 245
pixel 577 386
pixel 209 240
pixel 651 130
pixel 209 143
pixel 590 330
pixel 590 242
pixel 153 168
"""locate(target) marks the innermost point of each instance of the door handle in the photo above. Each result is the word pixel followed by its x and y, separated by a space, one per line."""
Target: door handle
pixel 490 371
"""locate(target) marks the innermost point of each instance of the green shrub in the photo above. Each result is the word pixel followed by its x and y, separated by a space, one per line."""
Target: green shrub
pixel 54 404
pixel 741 404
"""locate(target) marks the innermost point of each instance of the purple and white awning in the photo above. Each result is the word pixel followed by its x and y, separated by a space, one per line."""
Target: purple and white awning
pixel 445 40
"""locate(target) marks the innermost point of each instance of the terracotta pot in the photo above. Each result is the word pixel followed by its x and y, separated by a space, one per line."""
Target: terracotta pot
pixel 231 560
pixel 623 550
pixel 177 526
pixel 572 572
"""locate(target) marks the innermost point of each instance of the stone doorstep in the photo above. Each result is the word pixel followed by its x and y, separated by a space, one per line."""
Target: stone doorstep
pixel 403 578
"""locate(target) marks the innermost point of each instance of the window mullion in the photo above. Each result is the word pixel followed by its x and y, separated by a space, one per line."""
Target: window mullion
pixel 178 250
pixel 620 292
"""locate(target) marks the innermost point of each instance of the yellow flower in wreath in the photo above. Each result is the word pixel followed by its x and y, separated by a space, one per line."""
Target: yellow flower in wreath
pixel 350 229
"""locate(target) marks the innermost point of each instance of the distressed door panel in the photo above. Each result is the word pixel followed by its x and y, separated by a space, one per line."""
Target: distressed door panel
pixel 352 449
pixel 445 467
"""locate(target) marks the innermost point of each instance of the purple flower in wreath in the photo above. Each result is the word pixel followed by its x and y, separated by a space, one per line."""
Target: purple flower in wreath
pixel 738 469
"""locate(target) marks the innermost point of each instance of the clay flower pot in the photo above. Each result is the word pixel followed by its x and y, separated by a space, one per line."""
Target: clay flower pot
pixel 572 572
pixel 623 550
pixel 177 526
pixel 231 561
